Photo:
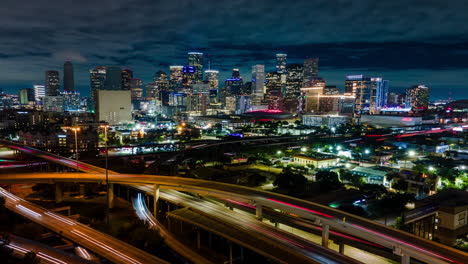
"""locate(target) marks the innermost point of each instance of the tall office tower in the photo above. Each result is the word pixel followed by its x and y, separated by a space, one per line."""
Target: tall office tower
pixel 189 78
pixel 258 79
pixel 236 73
pixel 417 97
pixel 281 63
pixel 396 99
pixel 152 91
pixel 39 92
pixel 310 99
pixel 212 77
pixel 258 84
pixel 127 76
pixel 97 77
pixel 360 87
pixel 379 92
pixel 160 79
pixel 195 59
pixel 310 69
pixel 26 95
pixel 68 77
pixel 176 77
pixel 233 86
pixel 242 104
pixel 113 78
pixel 247 89
pixel 273 96
pixel 52 81
pixel 136 88
pixel 294 79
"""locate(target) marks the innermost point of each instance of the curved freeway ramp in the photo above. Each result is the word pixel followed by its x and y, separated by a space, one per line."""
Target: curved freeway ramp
pixel 106 246
pixel 402 243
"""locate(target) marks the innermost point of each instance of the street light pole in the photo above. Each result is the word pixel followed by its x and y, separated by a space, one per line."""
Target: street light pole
pixel 76 129
pixel 107 174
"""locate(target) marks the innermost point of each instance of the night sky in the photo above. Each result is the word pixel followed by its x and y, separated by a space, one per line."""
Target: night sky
pixel 405 41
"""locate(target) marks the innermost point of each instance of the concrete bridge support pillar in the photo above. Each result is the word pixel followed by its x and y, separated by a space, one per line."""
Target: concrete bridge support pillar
pixel 82 189
pixel 58 192
pixel 341 247
pixel 258 212
pixel 405 259
pixel 325 235
pixel 230 253
pixel 111 195
pixel 155 200
pixel 198 239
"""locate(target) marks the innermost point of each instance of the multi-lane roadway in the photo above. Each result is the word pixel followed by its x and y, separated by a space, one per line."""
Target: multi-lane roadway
pixel 402 243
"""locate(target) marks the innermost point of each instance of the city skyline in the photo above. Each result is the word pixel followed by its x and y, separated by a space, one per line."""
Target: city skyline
pixel 401 41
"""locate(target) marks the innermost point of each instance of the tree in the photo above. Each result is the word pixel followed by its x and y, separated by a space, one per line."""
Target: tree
pixel 352 178
pixel 400 185
pixel 373 190
pixel 290 181
pixel 327 179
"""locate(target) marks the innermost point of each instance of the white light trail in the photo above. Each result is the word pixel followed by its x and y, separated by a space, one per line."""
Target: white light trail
pixel 60 218
pixel 104 246
pixel 28 211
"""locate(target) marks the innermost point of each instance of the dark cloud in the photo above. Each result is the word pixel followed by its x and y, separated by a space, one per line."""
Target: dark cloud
pixel 392 38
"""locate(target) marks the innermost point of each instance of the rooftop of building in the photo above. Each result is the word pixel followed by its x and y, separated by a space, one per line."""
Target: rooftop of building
pixel 448 197
pixel 316 156
pixel 381 170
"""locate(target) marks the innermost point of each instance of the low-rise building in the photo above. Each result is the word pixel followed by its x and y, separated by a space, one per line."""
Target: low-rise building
pixel 327 120
pixel 374 174
pixel 442 217
pixel 318 160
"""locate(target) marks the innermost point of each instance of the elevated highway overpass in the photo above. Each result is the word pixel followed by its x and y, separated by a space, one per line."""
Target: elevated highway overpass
pixel 404 244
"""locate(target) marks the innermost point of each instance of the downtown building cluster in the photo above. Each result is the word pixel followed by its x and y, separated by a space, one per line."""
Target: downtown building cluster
pixel 193 90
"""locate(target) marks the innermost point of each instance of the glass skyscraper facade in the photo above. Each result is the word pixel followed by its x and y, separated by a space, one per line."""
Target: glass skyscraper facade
pixel 195 59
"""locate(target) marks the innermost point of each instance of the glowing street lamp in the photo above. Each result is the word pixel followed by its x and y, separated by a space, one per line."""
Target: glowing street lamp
pixel 411 153
pixel 431 168
pixel 303 149
pixel 76 129
pixel 106 127
pixel 278 152
pixel 366 151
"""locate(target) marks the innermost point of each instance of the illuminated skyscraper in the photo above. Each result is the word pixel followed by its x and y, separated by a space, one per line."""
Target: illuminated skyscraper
pixel 360 87
pixel 417 97
pixel 273 95
pixel 310 98
pixel 195 59
pixel 68 77
pixel 310 69
pixel 370 93
pixel 113 78
pixel 212 77
pixel 258 85
pixel 39 92
pixel 294 79
pixel 127 76
pixel 281 63
pixel 97 78
pixel 379 92
pixel 160 79
pixel 235 73
pixel 136 87
pixel 26 95
pixel 176 77
pixel 52 81
pixel 189 78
